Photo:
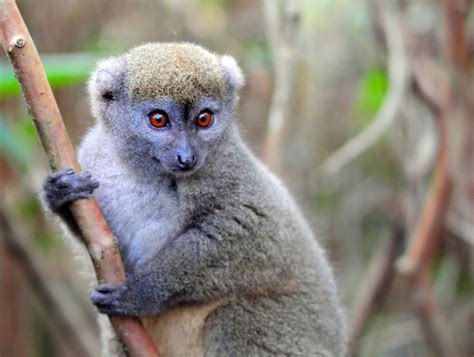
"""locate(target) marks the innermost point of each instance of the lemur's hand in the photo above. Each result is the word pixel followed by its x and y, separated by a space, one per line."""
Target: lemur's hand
pixel 61 188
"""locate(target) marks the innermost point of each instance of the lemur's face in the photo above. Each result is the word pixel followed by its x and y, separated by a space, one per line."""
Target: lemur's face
pixel 178 137
pixel 167 104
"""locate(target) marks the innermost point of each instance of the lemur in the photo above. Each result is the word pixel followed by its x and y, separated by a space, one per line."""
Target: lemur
pixel 219 259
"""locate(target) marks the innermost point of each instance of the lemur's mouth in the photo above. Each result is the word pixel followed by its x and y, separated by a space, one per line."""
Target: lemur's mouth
pixel 184 172
pixel 184 169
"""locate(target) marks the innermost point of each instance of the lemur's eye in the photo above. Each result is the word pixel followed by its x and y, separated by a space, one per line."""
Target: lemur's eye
pixel 158 119
pixel 204 119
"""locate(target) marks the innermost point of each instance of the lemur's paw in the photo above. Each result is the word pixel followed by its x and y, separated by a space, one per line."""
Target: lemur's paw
pixel 61 188
pixel 109 299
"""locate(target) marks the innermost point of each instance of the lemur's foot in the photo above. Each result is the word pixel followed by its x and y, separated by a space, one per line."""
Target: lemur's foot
pixel 61 188
pixel 110 299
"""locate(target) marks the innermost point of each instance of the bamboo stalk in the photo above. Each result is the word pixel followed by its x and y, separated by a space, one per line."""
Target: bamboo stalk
pixel 97 236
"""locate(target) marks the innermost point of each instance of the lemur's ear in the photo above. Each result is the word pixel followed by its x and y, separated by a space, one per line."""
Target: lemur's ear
pixel 233 73
pixel 106 83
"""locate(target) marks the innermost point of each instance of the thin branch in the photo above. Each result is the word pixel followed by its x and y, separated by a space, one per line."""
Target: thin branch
pixel 456 36
pixel 415 264
pixel 282 31
pixel 422 241
pixel 433 325
pixel 398 80
pixel 432 216
pixel 431 81
pixel 103 246
pixel 376 285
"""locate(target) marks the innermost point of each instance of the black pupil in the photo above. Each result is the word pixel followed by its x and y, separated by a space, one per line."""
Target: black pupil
pixel 159 118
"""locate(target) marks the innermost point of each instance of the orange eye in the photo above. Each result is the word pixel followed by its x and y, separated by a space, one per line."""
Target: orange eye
pixel 158 119
pixel 205 119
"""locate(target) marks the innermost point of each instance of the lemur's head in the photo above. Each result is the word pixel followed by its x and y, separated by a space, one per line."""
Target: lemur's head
pixel 167 104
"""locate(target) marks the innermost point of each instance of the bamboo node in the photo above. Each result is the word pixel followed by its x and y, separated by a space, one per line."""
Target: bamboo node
pixel 115 242
pixel 17 41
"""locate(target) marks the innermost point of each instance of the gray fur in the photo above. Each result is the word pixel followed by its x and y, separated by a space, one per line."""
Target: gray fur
pixel 226 230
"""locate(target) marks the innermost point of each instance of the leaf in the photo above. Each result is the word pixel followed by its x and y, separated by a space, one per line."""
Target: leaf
pixel 61 70
pixel 370 95
pixel 11 147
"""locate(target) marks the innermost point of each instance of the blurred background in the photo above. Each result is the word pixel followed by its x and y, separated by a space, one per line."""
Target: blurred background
pixel 364 108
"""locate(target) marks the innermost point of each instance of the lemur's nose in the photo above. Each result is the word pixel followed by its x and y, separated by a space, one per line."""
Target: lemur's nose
pixel 186 162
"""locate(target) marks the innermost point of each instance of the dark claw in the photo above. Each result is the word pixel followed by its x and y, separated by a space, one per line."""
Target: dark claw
pixel 95 183
pixel 99 298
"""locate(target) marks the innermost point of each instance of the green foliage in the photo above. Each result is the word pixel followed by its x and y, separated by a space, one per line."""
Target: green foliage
pixel 8 83
pixel 29 208
pixel 465 284
pixel 375 226
pixel 216 3
pixel 315 13
pixel 381 163
pixel 371 92
pixel 257 52
pixel 61 70
pixel 102 47
pixel 18 140
pixel 46 241
pixel 326 199
pixel 370 95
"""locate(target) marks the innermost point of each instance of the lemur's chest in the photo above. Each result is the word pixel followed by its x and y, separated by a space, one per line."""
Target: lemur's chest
pixel 142 217
pixel 179 331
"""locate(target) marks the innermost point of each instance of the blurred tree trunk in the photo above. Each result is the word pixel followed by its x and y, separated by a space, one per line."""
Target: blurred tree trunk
pixel 442 81
pixel 283 25
pixel 13 341
pixel 14 327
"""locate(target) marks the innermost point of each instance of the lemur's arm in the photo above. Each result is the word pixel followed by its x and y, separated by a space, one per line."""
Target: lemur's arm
pixel 204 263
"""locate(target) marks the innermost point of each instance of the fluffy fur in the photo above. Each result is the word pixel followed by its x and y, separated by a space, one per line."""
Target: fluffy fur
pixel 167 70
pixel 220 261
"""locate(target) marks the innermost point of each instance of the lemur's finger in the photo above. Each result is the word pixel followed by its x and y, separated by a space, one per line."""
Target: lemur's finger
pixel 85 175
pixel 77 182
pixel 54 176
pixel 95 184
